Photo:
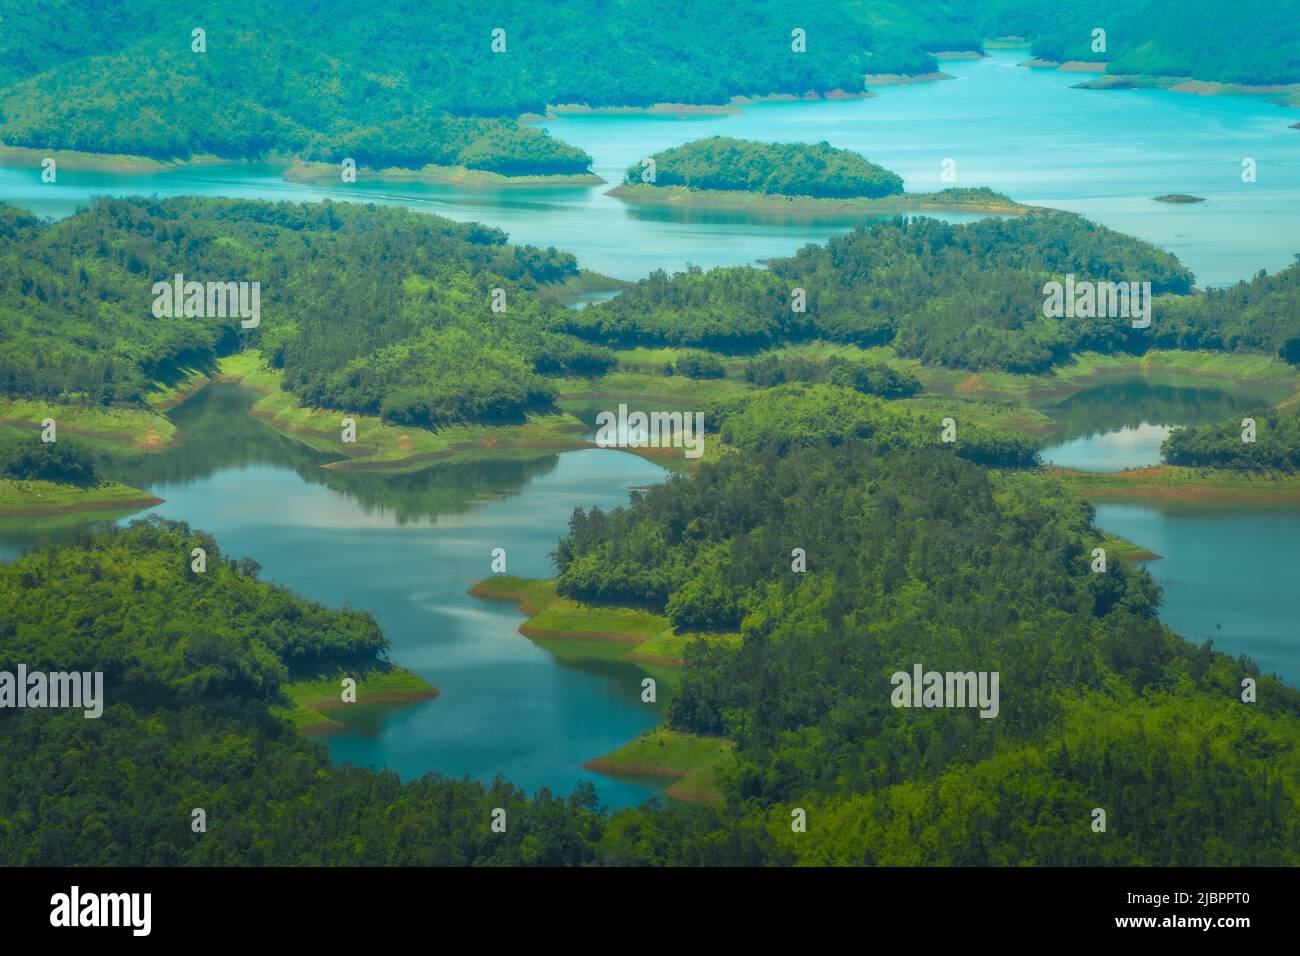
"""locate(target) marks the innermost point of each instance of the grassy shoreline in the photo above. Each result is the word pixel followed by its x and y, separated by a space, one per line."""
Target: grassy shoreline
pixel 578 633
pixel 39 499
pixel 1174 483
pixel 1285 94
pixel 733 106
pixel 432 173
pixel 131 429
pixel 101 162
pixel 381 446
pixel 692 761
pixel 311 699
pixel 686 198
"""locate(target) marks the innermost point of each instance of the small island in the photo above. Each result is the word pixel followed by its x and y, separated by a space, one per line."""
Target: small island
pixel 1180 198
pixel 721 172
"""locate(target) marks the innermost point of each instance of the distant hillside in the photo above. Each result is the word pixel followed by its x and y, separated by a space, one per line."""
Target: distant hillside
pixel 409 83
pixel 1204 39
pixel 402 84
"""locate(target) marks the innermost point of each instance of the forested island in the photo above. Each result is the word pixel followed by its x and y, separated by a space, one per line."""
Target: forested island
pixel 817 170
pixel 721 172
pixel 965 296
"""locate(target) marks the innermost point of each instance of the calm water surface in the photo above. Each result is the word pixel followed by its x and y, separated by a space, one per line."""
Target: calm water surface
pixel 1024 132
pixel 406 547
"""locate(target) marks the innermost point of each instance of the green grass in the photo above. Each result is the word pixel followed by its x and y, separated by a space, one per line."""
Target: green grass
pixel 386 683
pixel 685 197
pixel 1175 483
pixel 1125 550
pixel 669 647
pixel 987 413
pixel 551 616
pixel 577 633
pixel 41 498
pixel 164 397
pixel 1262 375
pixel 136 429
pixel 382 446
pixel 692 759
pixel 74 159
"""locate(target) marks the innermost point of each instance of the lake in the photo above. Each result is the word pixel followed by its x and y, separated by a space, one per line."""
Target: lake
pixel 1225 570
pixel 1024 132
pixel 407 546
pixel 1121 425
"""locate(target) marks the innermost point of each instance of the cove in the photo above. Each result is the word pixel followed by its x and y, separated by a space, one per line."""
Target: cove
pixel 406 547
pixel 1121 425
pixel 1224 570
pixel 1225 573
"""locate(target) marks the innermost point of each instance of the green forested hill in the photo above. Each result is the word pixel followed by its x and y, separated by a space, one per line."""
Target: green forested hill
pixel 967 296
pixel 925 558
pixel 1205 39
pixel 191 663
pixel 797 416
pixel 1276 446
pixel 411 83
pixel 366 309
pixel 401 84
pixel 1262 314
pixel 787 169
pixel 916 557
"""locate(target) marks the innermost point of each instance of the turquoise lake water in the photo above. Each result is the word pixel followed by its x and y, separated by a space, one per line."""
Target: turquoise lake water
pixel 406 547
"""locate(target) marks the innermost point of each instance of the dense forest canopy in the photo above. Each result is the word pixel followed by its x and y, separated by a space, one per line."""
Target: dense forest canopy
pixel 1273 445
pixel 411 83
pixel 870 378
pixel 1205 39
pixel 798 415
pixel 923 557
pixel 786 169
pixel 911 557
pixel 390 312
pixel 967 296
pixel 68 461
pixel 191 664
pixel 1260 315
pixel 366 309
pixel 403 84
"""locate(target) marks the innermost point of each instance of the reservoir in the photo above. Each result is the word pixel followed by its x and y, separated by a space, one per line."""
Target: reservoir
pixel 405 547
pixel 1023 132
